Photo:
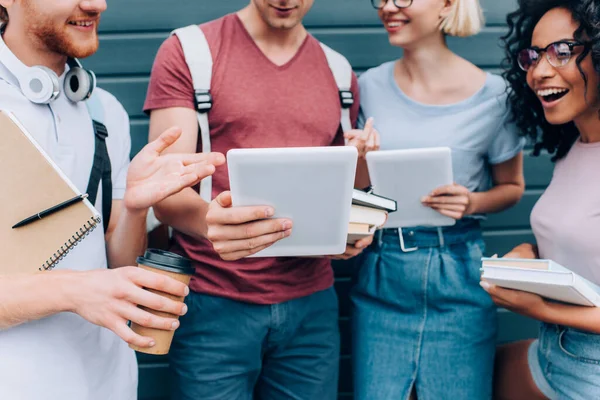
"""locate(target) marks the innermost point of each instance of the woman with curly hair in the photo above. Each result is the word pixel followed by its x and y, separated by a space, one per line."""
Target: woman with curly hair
pixel 553 50
pixel 421 322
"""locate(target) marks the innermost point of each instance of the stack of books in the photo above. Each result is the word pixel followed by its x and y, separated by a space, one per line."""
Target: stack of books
pixel 369 212
pixel 543 277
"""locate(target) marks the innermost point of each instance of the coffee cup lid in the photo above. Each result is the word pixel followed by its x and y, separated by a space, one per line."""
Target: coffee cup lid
pixel 167 261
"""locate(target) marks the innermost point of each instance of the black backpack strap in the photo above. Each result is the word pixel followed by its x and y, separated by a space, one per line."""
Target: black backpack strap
pixel 101 171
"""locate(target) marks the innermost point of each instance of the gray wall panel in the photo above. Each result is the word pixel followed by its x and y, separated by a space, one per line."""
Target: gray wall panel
pixel 160 16
pixel 127 54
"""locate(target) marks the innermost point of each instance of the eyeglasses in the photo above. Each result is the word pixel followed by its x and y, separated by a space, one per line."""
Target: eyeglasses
pixel 558 54
pixel 379 4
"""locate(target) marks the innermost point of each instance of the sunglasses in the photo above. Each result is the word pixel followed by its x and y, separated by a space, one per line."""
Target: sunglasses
pixel 558 54
pixel 379 4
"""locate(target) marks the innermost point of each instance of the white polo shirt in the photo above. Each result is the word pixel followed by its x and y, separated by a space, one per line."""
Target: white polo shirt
pixel 64 357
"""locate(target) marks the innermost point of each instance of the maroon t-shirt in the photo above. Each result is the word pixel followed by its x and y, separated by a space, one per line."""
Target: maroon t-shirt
pixel 255 104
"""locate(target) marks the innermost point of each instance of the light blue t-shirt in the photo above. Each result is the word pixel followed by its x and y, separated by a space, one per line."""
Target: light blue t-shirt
pixel 476 129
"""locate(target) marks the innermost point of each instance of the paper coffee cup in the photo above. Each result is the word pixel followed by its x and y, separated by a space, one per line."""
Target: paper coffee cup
pixel 173 266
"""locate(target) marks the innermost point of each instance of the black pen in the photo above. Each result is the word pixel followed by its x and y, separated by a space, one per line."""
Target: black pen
pixel 51 210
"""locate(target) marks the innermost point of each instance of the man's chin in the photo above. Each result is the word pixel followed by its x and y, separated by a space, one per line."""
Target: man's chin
pixel 83 52
pixel 77 49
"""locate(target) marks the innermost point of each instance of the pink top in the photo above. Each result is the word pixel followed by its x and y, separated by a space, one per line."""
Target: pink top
pixel 256 104
pixel 566 219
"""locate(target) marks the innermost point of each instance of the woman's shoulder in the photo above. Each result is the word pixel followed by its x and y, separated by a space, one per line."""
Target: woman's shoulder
pixel 496 84
pixel 495 88
pixel 376 74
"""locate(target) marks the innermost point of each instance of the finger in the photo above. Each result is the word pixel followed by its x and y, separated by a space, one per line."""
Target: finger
pixel 124 332
pixel 351 253
pixel 377 140
pixel 339 257
pixel 368 128
pixel 199 158
pixel 449 207
pixel 161 143
pixel 190 176
pixel 363 243
pixel 249 230
pixel 350 135
pixel 452 199
pixel 193 174
pixel 234 246
pixel 152 300
pixel 241 254
pixel 370 145
pixel 162 283
pixel 501 294
pixel 452 189
pixel 499 302
pixel 447 213
pixel 238 215
pixel 145 318
pixel 224 199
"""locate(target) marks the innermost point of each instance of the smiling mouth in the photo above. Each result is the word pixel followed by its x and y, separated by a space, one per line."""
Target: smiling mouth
pixel 283 10
pixel 396 24
pixel 551 95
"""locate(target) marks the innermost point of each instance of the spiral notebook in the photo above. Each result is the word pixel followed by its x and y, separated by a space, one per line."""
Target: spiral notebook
pixel 31 182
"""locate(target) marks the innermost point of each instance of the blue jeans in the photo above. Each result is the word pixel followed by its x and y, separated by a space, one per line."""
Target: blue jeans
pixel 421 319
pixel 565 363
pixel 229 350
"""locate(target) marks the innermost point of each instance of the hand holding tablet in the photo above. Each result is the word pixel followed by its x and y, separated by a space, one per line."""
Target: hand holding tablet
pixel 407 176
pixel 238 232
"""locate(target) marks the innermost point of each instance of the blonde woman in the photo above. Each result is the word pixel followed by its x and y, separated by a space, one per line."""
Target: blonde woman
pixel 422 323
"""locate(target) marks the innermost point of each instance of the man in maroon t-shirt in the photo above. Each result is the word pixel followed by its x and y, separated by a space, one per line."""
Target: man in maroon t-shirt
pixel 255 325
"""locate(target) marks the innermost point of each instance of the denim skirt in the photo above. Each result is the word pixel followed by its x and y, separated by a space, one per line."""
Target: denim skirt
pixel 420 318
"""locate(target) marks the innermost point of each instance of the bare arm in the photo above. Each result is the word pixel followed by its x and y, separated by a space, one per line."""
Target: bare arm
pixel 26 298
pixel 525 250
pixel 107 298
pixel 185 211
pixel 365 140
pixel 534 306
pixel 584 318
pixel 126 235
pixel 509 185
pixel 362 179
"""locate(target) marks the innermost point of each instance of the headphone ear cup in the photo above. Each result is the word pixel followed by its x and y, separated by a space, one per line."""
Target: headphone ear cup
pixel 41 85
pixel 79 84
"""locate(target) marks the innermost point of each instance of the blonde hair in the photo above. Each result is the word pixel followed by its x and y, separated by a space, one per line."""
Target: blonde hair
pixel 465 19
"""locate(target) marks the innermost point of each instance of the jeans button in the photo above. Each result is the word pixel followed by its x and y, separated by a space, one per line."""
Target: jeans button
pixel 411 233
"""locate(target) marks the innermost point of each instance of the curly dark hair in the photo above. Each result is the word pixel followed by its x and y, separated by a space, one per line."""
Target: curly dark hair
pixel 526 109
pixel 3 15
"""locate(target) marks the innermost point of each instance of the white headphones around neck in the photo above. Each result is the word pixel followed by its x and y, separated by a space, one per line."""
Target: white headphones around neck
pixel 40 84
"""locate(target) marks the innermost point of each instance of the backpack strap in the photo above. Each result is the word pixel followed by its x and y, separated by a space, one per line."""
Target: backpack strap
pixel 101 169
pixel 342 72
pixel 199 60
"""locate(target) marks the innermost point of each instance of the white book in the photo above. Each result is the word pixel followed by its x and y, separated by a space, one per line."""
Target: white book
pixel 364 221
pixel 543 277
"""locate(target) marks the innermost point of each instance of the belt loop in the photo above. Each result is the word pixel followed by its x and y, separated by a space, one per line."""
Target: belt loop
pixel 402 246
pixel 441 236
pixel 379 237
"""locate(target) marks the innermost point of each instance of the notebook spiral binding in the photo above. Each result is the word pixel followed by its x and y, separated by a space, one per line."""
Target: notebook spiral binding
pixel 61 253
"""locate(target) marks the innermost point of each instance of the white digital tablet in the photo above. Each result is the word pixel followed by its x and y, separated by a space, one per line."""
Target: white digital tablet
pixel 408 175
pixel 312 186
